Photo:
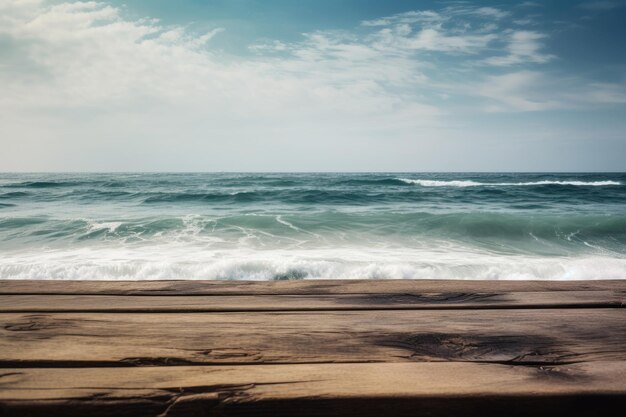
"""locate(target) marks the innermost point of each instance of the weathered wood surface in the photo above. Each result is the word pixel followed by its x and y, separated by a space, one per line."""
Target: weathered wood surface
pixel 507 336
pixel 308 287
pixel 319 348
pixel 406 389
pixel 228 303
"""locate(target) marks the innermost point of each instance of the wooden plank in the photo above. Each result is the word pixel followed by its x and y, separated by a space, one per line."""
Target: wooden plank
pixel 224 303
pixel 317 286
pixel 396 389
pixel 498 336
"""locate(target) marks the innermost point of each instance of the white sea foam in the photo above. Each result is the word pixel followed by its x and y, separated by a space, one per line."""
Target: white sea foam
pixel 467 183
pixel 109 226
pixel 433 183
pixel 181 261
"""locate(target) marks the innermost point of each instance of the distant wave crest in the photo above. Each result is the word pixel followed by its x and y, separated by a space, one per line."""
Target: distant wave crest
pixel 468 183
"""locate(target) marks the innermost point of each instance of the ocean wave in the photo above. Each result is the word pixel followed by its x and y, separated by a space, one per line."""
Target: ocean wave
pixel 10 223
pixel 469 183
pixel 374 181
pixel 307 226
pixel 517 232
pixel 183 262
pixel 173 197
pixel 307 196
pixel 43 184
pixel 13 194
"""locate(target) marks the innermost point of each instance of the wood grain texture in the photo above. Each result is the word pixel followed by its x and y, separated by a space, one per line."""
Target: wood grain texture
pixel 234 303
pixel 312 348
pixel 424 389
pixel 505 336
pixel 318 286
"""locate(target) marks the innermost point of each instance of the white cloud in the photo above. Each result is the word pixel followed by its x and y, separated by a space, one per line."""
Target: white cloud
pixel 83 77
pixel 536 91
pixel 516 91
pixel 100 91
pixel 489 12
pixel 523 47
pixel 430 18
pixel 432 39
pixel 420 16
pixel 525 21
pixel 89 54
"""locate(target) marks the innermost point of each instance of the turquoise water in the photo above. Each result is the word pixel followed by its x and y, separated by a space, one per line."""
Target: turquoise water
pixel 295 226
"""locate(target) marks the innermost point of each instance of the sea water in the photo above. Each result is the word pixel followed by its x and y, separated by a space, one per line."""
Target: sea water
pixel 269 226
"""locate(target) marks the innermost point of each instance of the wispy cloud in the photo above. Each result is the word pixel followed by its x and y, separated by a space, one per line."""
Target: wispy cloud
pixel 93 55
pixel 79 67
pixel 438 17
pixel 88 77
pixel 536 91
pixel 485 12
pixel 517 91
pixel 431 39
pixel 420 16
pixel 89 54
pixel 530 4
pixel 523 47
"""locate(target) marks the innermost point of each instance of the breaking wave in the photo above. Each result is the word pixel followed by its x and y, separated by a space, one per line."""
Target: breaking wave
pixel 469 183
pixel 308 226
pixel 184 262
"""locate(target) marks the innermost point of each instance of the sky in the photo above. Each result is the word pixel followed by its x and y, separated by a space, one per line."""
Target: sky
pixel 323 85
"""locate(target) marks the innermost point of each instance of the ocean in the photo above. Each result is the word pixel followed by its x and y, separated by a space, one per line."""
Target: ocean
pixel 275 226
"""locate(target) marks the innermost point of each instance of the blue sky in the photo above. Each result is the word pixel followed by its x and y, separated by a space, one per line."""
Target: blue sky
pixel 159 85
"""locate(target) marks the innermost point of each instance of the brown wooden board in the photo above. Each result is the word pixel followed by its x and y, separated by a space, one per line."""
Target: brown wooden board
pixel 505 336
pixel 396 389
pixel 172 303
pixel 318 286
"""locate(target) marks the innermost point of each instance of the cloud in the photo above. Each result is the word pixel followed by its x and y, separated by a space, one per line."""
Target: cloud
pixel 601 93
pixel 530 4
pixel 450 30
pixel 84 76
pixel 88 88
pixel 419 16
pixel 490 12
pixel 525 21
pixel 89 54
pixel 517 91
pixel 431 39
pixel 523 47
pixel 432 17
pixel 532 91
